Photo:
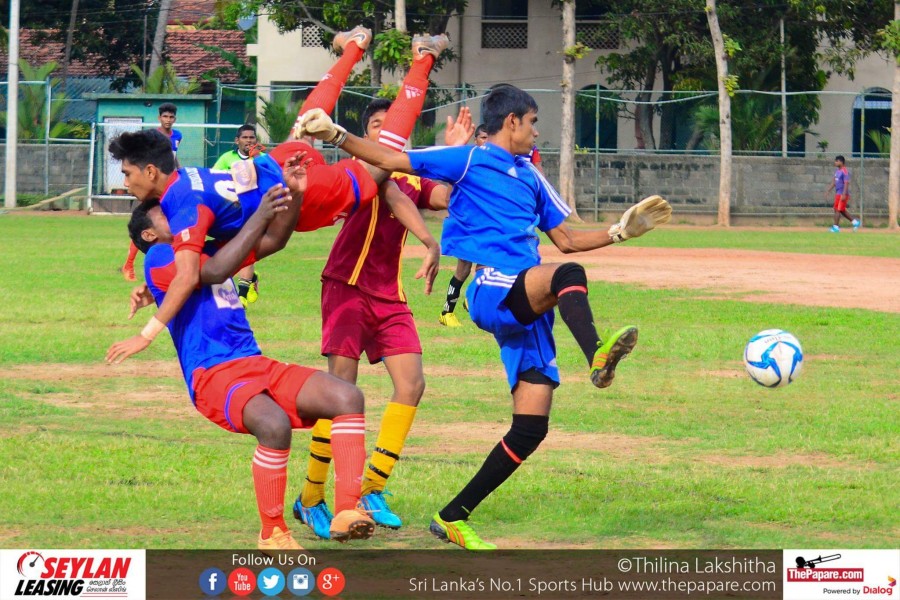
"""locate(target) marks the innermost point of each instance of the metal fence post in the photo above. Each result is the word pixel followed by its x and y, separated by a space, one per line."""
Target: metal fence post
pixel 596 152
pixel 862 156
pixel 47 138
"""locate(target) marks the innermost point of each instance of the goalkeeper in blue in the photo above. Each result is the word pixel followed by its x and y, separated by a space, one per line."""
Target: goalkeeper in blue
pixel 499 201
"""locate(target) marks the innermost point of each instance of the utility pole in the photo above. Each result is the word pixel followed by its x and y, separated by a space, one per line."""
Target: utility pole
pixel 12 109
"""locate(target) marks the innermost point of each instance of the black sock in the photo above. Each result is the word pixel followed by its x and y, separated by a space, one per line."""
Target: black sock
pixel 576 313
pixel 497 467
pixel 453 291
pixel 243 287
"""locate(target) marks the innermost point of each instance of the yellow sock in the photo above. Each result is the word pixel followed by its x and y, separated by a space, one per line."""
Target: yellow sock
pixel 395 425
pixel 319 460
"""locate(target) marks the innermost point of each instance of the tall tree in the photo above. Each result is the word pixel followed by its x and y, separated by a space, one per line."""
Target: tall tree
pixel 725 88
pixel 891 41
pixel 159 38
pixel 571 53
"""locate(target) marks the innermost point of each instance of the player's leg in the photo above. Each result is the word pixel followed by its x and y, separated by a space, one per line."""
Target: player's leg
pixel 248 285
pixel 408 378
pixel 311 508
pixel 530 421
pixel 853 220
pixel 128 267
pixel 353 45
pixel 463 268
pixel 326 396
pixel 271 426
pixel 565 285
pixel 405 110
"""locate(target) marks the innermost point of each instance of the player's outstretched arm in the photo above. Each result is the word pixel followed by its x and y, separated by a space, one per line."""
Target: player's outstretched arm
pixel 408 216
pixel 459 130
pixel 319 125
pixel 635 222
pixel 231 257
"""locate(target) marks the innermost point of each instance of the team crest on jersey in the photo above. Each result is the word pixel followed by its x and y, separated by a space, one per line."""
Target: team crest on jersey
pixel 226 296
pixel 186 235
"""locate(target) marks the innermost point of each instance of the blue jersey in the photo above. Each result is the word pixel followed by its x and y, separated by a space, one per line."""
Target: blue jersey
pixel 211 328
pixel 498 203
pixel 202 202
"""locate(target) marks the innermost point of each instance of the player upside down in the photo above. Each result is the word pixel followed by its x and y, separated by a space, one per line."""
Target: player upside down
pixel 233 385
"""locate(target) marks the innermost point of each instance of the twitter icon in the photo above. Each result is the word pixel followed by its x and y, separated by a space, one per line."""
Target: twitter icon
pixel 270 581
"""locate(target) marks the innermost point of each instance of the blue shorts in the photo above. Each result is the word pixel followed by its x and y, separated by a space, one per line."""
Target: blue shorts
pixel 522 347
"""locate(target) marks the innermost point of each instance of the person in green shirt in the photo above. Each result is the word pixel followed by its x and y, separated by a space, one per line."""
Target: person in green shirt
pixel 247 148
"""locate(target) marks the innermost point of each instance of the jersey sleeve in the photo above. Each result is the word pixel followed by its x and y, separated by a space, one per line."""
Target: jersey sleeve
pixel 444 163
pixel 159 268
pixel 189 221
pixel 424 198
pixel 224 162
pixel 552 210
pixel 176 140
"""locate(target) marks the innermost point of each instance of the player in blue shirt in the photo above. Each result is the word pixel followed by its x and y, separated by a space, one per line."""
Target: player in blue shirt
pixel 235 387
pixel 167 115
pixel 498 204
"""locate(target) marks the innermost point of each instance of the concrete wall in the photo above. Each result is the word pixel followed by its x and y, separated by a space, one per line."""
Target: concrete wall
pixel 761 186
pixel 67 168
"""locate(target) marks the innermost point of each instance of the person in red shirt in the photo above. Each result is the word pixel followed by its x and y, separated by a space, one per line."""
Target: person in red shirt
pixel 364 310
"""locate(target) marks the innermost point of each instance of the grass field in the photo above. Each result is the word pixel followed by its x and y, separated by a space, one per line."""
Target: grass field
pixel 684 451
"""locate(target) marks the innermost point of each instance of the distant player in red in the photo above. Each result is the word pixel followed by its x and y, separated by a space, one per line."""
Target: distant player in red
pixel 464 267
pixel 841 186
pixel 364 310
pixel 238 389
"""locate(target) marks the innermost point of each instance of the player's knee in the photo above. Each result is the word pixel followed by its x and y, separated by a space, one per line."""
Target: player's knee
pixel 410 392
pixel 568 275
pixel 526 434
pixel 463 270
pixel 274 431
pixel 348 399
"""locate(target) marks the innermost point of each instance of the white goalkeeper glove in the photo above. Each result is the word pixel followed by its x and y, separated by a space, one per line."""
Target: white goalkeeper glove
pixel 641 218
pixel 318 124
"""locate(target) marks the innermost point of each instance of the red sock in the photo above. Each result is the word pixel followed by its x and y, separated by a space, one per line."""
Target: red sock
pixel 348 443
pixel 401 117
pixel 132 254
pixel 270 482
pixel 326 92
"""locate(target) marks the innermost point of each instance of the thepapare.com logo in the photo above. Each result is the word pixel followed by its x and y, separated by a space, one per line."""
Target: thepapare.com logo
pixel 71 575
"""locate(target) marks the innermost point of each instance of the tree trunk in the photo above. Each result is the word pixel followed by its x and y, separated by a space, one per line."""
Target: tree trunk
pixel 643 113
pixel 376 66
pixel 159 38
pixel 667 110
pixel 567 143
pixel 68 56
pixel 894 173
pixel 724 218
pixel 400 15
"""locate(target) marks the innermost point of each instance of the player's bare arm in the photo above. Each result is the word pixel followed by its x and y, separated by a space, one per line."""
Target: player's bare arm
pixel 440 197
pixel 319 125
pixel 253 235
pixel 635 222
pixel 408 215
pixel 187 276
pixel 459 130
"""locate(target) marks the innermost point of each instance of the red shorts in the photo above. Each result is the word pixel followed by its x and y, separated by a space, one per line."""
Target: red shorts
pixel 354 321
pixel 840 204
pixel 222 392
pixel 333 192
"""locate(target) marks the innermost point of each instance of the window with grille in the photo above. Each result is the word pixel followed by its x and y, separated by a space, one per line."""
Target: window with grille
pixel 311 37
pixel 598 35
pixel 504 24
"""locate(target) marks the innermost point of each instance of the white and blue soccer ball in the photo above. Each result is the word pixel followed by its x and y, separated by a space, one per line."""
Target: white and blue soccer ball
pixel 773 358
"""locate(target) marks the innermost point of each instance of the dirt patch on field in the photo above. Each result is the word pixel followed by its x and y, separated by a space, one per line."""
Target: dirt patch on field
pixel 871 283
pixel 78 373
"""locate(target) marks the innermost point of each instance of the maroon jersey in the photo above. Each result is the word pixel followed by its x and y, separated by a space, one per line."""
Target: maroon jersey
pixel 367 251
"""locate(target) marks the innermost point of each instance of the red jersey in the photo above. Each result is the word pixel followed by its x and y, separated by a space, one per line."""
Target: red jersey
pixel 367 252
pixel 335 192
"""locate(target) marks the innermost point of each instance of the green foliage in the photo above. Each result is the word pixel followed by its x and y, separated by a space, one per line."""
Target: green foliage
pixel 732 47
pixel 392 49
pixel 576 52
pixel 32 108
pixel 165 80
pixel 278 117
pixel 423 136
pixel 755 124
pixel 889 39
pixel 882 140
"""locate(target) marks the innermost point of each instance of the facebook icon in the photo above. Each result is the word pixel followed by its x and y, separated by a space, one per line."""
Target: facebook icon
pixel 212 581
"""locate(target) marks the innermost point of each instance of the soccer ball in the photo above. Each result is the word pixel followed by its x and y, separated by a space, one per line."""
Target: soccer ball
pixel 773 358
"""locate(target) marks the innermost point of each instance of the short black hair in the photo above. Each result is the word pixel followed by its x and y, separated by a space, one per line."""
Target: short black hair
pixel 139 222
pixel 500 102
pixel 168 107
pixel 480 129
pixel 244 128
pixel 142 148
pixel 840 158
pixel 376 105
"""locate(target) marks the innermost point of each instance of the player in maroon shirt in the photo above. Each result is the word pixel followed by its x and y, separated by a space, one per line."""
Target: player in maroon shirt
pixel 364 310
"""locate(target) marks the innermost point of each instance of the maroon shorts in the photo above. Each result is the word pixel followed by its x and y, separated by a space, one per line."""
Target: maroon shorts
pixel 354 321
pixel 840 203
pixel 222 392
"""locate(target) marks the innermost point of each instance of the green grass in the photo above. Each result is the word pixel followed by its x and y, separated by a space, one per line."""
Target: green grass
pixel 683 451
